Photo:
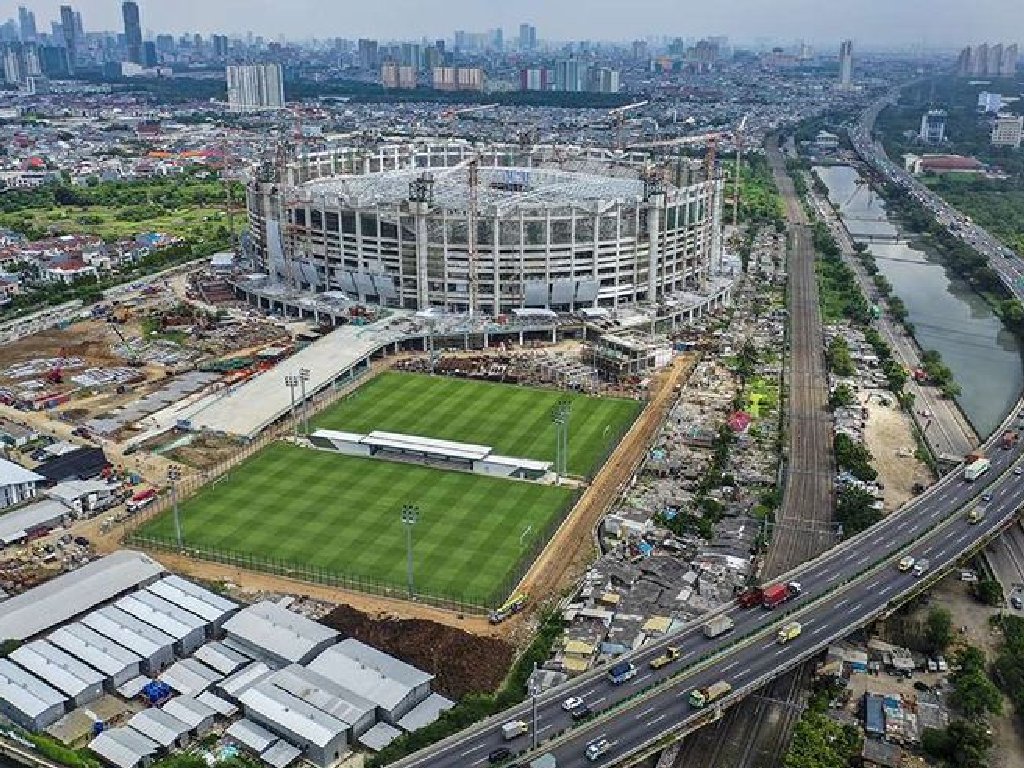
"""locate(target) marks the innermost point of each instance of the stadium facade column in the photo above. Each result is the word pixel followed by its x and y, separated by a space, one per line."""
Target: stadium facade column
pixel 420 210
pixel 654 205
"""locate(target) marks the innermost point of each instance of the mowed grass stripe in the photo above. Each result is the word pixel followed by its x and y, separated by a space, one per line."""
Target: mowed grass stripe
pixel 342 514
pixel 515 421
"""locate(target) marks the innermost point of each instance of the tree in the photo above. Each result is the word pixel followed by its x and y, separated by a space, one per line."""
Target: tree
pixel 973 693
pixel 819 742
pixel 989 591
pixel 939 628
pixel 841 397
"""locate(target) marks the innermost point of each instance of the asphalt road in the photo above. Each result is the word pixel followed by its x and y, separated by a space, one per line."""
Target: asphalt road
pixel 852 601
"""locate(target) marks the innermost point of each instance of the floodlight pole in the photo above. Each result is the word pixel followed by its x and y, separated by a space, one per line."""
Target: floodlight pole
pixel 303 378
pixel 173 476
pixel 292 382
pixel 410 514
pixel 566 406
pixel 558 419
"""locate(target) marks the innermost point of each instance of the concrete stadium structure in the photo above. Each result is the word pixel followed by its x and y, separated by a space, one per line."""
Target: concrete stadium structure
pixel 487 229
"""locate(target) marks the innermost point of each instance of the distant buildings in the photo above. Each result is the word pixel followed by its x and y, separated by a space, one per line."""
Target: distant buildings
pixel 1007 131
pixel 132 30
pixel 254 87
pixel 458 78
pixel 68 28
pixel 987 60
pixel 933 127
pixel 846 65
pixel 527 37
pixel 394 75
pixel 990 102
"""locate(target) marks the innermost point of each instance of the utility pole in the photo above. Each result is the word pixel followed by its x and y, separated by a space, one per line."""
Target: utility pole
pixel 533 695
pixel 292 382
pixel 173 476
pixel 303 378
pixel 410 515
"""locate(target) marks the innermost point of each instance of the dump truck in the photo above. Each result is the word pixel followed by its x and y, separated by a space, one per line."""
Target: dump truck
pixel 1009 440
pixel 701 697
pixel 514 729
pixel 777 594
pixel 670 655
pixel 976 465
pixel 717 625
pixel 976 514
pixel 621 672
pixel 512 606
pixel 750 598
pixel 789 631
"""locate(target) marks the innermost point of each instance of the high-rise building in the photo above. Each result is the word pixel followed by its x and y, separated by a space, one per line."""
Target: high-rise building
pixel 53 60
pixel 10 63
pixel 1008 67
pixel 534 80
pixel 933 126
pixel 985 60
pixel 394 75
pixel 255 87
pixel 570 75
pixel 149 57
pixel 70 33
pixel 527 37
pixel 26 25
pixel 1007 131
pixel 220 46
pixel 846 65
pixel 132 30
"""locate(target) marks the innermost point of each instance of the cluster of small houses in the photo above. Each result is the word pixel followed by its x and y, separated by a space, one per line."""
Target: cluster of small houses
pixel 650 581
pixel 168 661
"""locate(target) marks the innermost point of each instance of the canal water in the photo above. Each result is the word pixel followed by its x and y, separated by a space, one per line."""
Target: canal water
pixel 947 315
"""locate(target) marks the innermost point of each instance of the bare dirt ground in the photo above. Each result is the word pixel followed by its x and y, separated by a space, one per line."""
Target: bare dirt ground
pixel 462 662
pixel 890 438
pixel 90 340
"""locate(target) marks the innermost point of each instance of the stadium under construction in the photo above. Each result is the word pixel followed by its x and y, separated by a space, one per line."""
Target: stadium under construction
pixel 489 229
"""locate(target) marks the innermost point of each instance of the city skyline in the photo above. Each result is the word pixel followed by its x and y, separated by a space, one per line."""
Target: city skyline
pixel 871 23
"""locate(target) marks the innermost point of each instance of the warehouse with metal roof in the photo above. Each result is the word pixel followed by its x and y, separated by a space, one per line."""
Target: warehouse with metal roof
pixel 278 636
pixel 190 677
pixel 324 738
pixel 187 629
pixel 197 715
pixel 162 727
pixel 74 593
pixel 251 735
pixel 210 607
pixel 221 658
pixel 124 748
pixel 425 713
pixel 42 515
pixel 116 662
pixel 233 686
pixel 26 700
pixel 60 670
pixel 327 696
pixel 393 686
pixel 155 648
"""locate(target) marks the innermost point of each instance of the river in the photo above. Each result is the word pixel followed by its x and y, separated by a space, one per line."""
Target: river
pixel 985 358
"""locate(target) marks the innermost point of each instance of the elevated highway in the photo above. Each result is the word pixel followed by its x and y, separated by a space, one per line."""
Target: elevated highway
pixel 844 588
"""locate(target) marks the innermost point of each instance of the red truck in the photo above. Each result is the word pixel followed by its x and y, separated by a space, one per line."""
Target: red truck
pixel 141 500
pixel 750 598
pixel 1009 439
pixel 777 594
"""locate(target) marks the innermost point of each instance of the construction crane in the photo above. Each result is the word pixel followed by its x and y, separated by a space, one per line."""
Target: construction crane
pixel 738 141
pixel 448 114
pixel 619 116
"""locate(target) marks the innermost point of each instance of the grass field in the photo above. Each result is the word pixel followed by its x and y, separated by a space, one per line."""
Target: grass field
pixel 515 421
pixel 342 514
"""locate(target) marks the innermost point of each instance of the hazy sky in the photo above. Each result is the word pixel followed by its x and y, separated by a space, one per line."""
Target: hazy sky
pixel 871 23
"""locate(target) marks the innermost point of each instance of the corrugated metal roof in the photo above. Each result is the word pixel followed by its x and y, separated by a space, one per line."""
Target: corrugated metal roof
pixel 189 677
pixel 250 734
pixel 161 614
pixel 93 648
pixel 370 673
pixel 243 679
pixel 56 667
pixel 160 726
pixel 281 632
pixel 426 712
pixel 26 693
pixel 46 513
pixel 15 474
pixel 126 630
pixel 218 656
pixel 322 693
pixel 379 736
pixel 190 711
pixel 281 754
pixel 293 714
pixel 212 598
pixel 56 601
pixel 123 747
pixel 185 601
pixel 217 704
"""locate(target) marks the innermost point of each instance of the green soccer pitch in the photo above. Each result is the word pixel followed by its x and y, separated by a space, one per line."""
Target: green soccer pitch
pixel 334 518
pixel 515 421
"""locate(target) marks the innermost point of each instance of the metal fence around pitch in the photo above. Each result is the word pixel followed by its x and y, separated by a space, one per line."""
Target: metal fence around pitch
pixel 463 603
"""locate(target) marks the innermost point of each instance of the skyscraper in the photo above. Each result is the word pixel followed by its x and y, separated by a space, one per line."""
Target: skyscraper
pixel 68 29
pixel 846 65
pixel 26 24
pixel 255 87
pixel 527 37
pixel 132 30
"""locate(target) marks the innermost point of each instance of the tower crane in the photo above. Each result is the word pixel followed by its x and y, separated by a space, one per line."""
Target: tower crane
pixel 619 116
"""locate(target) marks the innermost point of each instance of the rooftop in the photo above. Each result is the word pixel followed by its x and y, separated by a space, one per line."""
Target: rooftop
pixel 370 673
pixel 68 595
pixel 281 632
pixel 26 692
pixel 12 474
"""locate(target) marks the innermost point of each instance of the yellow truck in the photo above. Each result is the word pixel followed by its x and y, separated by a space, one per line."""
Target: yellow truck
pixel 789 631
pixel 670 655
pixel 975 515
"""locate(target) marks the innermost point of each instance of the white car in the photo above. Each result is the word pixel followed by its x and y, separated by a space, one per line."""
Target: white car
pixel 571 703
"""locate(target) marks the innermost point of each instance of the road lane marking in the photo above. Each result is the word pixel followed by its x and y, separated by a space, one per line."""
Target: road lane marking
pixel 729 666
pixel 659 718
pixel 474 749
pixel 819 630
pixel 646 712
pixel 843 602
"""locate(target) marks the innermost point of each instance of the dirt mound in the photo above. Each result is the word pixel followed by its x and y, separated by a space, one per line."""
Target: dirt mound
pixel 462 663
